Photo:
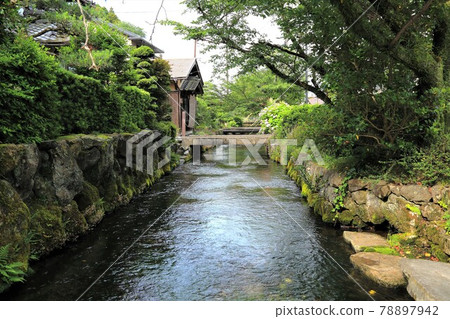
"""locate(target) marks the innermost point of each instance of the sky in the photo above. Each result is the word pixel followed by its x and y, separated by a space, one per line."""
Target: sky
pixel 142 13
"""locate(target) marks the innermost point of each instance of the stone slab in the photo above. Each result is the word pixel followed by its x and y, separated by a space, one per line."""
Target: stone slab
pixel 385 270
pixel 361 239
pixel 427 280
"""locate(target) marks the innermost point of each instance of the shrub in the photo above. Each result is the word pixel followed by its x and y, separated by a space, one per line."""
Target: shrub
pixel 29 98
pixel 318 122
pixel 89 106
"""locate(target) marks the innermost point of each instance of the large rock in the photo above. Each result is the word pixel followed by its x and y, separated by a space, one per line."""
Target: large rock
pixel 416 193
pixel 382 190
pixel 383 269
pixel 360 197
pixel 436 234
pixel 358 240
pixel 96 159
pixel 427 280
pixel 330 193
pixel 399 216
pixel 59 178
pixel 14 222
pixel 18 165
pixel 357 184
pixel 432 212
pixel 336 179
pixel 371 211
pixel 67 177
pixel 438 191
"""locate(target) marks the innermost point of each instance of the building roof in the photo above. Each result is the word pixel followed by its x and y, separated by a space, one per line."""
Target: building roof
pixel 137 38
pixel 191 84
pixel 188 71
pixel 47 34
pixel 181 68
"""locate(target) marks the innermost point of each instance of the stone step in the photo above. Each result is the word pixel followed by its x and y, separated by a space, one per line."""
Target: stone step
pixel 382 269
pixel 358 240
pixel 427 280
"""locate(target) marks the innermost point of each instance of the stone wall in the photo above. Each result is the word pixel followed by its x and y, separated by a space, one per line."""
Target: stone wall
pixel 413 209
pixel 55 191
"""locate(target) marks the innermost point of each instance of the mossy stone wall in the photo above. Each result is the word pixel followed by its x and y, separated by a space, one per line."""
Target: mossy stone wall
pixel 55 191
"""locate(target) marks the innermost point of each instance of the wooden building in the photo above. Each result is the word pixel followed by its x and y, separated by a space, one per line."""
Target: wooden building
pixel 186 83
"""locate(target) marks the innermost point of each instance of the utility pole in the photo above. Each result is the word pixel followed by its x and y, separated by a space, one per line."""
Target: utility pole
pixel 195 49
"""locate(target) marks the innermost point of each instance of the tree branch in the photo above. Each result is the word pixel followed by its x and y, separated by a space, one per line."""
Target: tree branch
pixel 86 43
pixel 410 23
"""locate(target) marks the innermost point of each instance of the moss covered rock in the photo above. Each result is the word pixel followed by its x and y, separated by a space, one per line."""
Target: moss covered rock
pixel 74 222
pixel 47 228
pixel 14 222
pixel 90 204
pixel 18 165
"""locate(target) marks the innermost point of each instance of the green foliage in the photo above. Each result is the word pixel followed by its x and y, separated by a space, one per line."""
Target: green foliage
pixel 431 163
pixel 414 209
pixel 381 250
pixel 152 75
pixel 209 108
pixel 130 27
pixel 89 106
pixel 28 93
pixel 9 20
pixel 446 215
pixel 341 193
pixel 250 92
pixel 401 239
pixel 389 95
pixel 10 272
pixel 242 98
pixel 143 53
pixel 41 99
pixel 301 122
pixel 166 128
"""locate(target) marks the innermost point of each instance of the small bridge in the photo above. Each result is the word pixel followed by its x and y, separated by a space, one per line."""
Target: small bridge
pixel 211 140
pixel 240 130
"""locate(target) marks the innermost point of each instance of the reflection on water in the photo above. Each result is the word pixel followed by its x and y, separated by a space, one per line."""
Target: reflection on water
pixel 223 239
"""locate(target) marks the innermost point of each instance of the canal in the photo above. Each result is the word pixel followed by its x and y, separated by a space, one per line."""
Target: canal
pixel 213 231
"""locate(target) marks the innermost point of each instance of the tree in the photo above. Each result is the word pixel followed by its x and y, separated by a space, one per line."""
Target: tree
pixel 252 91
pixel 153 77
pixel 376 62
pixel 244 97
pixel 414 33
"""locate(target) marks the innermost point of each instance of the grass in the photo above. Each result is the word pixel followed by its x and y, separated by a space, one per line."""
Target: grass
pixel 381 250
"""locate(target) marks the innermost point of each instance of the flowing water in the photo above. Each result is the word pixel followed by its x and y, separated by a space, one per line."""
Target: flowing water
pixel 215 232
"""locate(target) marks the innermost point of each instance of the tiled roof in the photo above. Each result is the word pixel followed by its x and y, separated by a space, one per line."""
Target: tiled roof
pixel 181 68
pixel 47 33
